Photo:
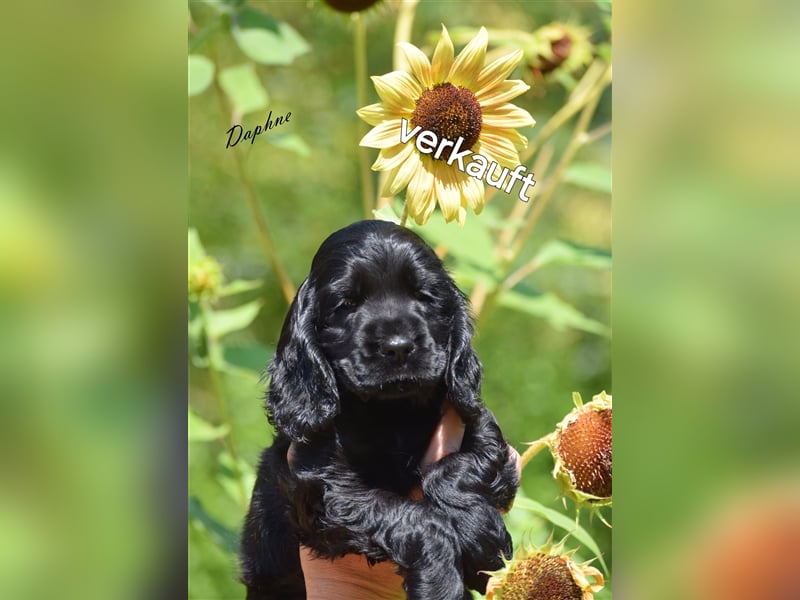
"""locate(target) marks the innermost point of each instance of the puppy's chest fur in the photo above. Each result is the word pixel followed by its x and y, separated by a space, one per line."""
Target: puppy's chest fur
pixel 384 441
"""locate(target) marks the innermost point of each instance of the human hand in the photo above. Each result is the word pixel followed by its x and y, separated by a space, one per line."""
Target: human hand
pixel 351 577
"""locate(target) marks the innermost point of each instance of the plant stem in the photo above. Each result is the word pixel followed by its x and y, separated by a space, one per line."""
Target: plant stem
pixel 596 133
pixel 520 209
pixel 518 275
pixel 221 402
pixel 286 285
pixel 575 143
pixel 533 450
pixel 360 56
pixel 511 243
pixel 404 216
pixel 592 83
pixel 402 31
pixel 514 221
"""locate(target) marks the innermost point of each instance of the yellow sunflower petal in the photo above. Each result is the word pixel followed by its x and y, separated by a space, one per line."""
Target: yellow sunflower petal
pixel 373 114
pixel 442 58
pixel 385 135
pixel 500 149
pixel 461 216
pixel 468 64
pixel 427 209
pixel 520 141
pixel 508 116
pixel 419 196
pixel 472 194
pixel 428 181
pixel 418 63
pixel 495 73
pixel 448 192
pixel 390 158
pixel 501 93
pixel 398 90
pixel 400 177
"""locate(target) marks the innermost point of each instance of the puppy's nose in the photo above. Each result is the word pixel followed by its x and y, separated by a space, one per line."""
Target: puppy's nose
pixel 397 348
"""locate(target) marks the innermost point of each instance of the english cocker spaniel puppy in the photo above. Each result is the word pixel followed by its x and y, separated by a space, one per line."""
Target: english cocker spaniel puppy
pixel 376 341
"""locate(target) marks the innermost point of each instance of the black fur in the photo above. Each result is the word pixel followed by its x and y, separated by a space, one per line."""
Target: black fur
pixel 376 340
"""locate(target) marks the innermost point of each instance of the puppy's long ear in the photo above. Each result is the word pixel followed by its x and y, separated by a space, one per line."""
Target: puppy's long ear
pixel 302 395
pixel 464 371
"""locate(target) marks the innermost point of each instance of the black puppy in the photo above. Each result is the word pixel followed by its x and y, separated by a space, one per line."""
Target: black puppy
pixel 377 339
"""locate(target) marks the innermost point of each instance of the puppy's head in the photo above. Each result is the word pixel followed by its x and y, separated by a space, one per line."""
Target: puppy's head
pixel 379 318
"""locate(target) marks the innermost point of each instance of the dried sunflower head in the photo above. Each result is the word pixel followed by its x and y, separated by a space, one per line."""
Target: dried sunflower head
pixel 545 573
pixel 561 46
pixel 581 446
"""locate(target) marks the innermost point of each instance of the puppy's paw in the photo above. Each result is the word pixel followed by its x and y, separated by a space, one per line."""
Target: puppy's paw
pixel 484 542
pixel 435 582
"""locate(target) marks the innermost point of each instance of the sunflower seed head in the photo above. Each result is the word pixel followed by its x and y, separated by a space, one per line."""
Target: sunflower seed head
pixel 582 448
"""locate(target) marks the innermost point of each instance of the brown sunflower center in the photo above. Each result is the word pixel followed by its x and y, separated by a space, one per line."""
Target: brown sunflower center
pixel 450 112
pixel 585 448
pixel 541 577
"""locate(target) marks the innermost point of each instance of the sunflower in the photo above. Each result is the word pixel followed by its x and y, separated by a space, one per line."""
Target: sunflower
pixel 453 97
pixel 561 46
pixel 582 446
pixel 544 573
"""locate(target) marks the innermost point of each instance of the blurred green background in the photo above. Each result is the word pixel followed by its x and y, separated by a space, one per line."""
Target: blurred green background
pixel 305 175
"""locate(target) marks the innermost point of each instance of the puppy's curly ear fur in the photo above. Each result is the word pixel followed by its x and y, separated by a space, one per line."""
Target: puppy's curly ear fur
pixel 302 395
pixel 464 371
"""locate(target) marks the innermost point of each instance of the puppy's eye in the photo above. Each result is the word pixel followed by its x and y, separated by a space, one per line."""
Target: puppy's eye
pixel 348 303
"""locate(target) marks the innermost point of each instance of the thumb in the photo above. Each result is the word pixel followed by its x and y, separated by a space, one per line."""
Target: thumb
pixel 447 436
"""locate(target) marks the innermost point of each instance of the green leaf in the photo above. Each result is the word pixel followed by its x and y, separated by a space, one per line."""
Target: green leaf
pixel 471 243
pixel 265 39
pixel 235 476
pixel 253 358
pixel 604 50
pixel 201 73
pixel 201 37
pixel 562 521
pixel 210 567
pixel 243 87
pixel 213 548
pixel 386 213
pixel 591 176
pixel 604 5
pixel 219 534
pixel 292 142
pixel 222 322
pixel 467 276
pixel 567 253
pixel 201 430
pixel 196 250
pixel 554 310
pixel 239 286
